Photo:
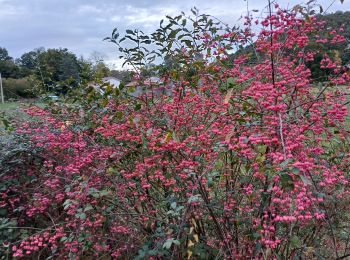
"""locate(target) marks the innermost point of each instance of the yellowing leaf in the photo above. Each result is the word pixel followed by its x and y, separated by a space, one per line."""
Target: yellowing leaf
pixel 189 252
pixel 228 137
pixel 167 138
pixel 228 96
pixel 190 243
pixel 194 222
pixel 261 159
pixel 196 237
pixel 262 149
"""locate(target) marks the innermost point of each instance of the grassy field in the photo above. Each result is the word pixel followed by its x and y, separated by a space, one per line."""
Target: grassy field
pixel 12 110
pixel 9 107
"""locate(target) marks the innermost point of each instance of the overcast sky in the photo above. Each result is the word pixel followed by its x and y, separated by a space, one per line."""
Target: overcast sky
pixel 80 25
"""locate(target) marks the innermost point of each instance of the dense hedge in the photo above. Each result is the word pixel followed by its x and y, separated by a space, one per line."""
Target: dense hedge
pixel 18 88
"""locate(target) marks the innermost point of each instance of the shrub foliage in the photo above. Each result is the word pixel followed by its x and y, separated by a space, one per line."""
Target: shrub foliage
pixel 243 160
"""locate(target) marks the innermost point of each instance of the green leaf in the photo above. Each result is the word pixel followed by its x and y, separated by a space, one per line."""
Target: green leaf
pixel 169 242
pixel 262 149
pixel 286 181
pixel 194 198
pixel 119 115
pixel 295 242
pixel 116 92
pixel 104 193
pixel 104 102
pixel 137 107
pixel 188 43
pixel 285 163
pixel 295 171
pixel 173 205
pixel 173 34
pixel 88 207
pixel 305 180
pixel 63 239
pixel 321 9
pixel 256 235
pixel 67 203
pixel 81 215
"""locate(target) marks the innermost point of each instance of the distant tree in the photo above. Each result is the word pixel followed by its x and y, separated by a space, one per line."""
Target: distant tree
pixel 86 71
pixel 58 69
pixel 29 61
pixel 337 20
pixel 8 68
pixel 100 70
pixel 4 55
pixel 123 75
pixel 340 19
pixel 97 57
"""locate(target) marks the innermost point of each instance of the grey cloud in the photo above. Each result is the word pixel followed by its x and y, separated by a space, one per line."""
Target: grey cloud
pixel 80 25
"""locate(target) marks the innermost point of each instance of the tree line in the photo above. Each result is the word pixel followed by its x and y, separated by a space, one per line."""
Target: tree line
pixel 53 70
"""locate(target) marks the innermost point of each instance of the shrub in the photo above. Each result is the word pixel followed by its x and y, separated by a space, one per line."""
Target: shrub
pixel 18 88
pixel 242 160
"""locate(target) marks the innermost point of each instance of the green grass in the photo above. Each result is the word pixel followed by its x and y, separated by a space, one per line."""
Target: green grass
pixel 14 106
pixel 8 106
pixel 12 111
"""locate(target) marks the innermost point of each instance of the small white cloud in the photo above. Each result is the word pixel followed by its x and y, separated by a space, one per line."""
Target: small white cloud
pixel 88 9
pixel 10 11
pixel 115 18
pixel 148 17
pixel 101 19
